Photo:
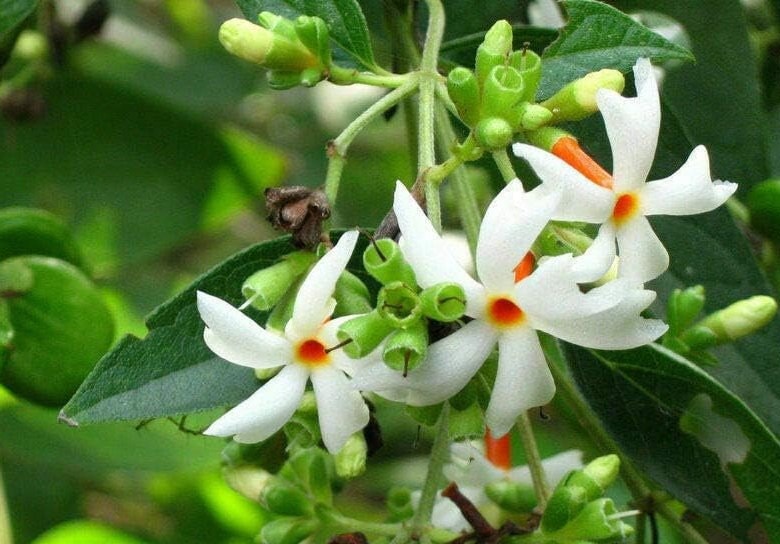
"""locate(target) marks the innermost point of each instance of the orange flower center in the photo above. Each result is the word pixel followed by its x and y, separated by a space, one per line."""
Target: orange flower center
pixel 626 206
pixel 312 352
pixel 505 313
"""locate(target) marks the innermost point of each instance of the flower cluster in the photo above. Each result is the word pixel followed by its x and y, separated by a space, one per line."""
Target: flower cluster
pixel 519 293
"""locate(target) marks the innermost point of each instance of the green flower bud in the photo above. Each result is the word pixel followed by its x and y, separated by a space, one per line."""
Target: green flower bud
pixel 494 49
pixel 603 470
pixel 313 33
pixel 406 348
pixel 577 100
pixel 282 311
pixel 529 64
pixel 512 496
pixel 494 133
pixel 444 302
pixel 30 45
pixel 286 500
pixel 533 116
pixel 463 88
pixel 385 262
pixel 351 294
pixel 546 137
pixel 564 504
pixel 699 338
pixel 740 319
pixel 265 47
pixel 502 92
pixel 287 530
pixel 763 202
pixel 350 461
pixel 598 521
pixel 399 504
pixel 683 307
pixel 266 287
pixel 399 305
pixel 309 469
pixel 365 332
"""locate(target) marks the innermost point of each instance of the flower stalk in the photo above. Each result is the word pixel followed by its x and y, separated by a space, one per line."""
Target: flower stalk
pixel 533 459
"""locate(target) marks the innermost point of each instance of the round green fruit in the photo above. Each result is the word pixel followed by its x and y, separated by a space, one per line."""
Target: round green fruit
pixel 60 329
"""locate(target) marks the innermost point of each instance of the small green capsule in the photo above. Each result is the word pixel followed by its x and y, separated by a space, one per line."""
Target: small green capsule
pixel 512 496
pixel 399 305
pixel 577 100
pixel 529 64
pixel 406 348
pixel 763 202
pixel 384 260
pixel 364 332
pixel 445 302
pixel 463 88
pixel 266 287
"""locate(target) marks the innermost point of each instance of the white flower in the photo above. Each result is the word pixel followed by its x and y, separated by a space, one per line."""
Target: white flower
pixel 632 126
pixel 473 472
pixel 301 350
pixel 505 311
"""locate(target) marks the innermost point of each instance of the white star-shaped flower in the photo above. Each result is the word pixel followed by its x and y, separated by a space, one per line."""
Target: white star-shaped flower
pixel 622 206
pixel 301 350
pixel 507 312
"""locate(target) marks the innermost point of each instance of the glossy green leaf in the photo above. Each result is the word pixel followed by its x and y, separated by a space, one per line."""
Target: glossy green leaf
pixel 171 371
pixel 13 13
pixel 598 36
pixel 688 433
pixel 717 98
pixel 344 18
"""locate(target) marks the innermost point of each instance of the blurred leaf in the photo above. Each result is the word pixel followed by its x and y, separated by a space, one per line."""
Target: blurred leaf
pixel 344 18
pixel 85 532
pixel 171 371
pixel 598 36
pixel 688 433
pixel 27 231
pixel 13 13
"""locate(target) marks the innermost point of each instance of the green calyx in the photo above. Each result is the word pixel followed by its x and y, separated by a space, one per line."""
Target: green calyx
pixel 463 88
pixel 512 496
pixel 285 499
pixel 364 333
pixel 385 262
pixel 529 64
pixel 287 530
pixel 399 305
pixel 444 302
pixel 683 307
pixel 577 100
pixel 740 319
pixel 597 521
pixel 546 137
pixel 502 92
pixel 351 294
pixel 266 287
pixel 406 348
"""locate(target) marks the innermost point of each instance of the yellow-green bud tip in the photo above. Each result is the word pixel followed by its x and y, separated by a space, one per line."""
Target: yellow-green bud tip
pixel 603 470
pixel 246 40
pixel 499 38
pixel 743 317
pixel 350 461
pixel 586 88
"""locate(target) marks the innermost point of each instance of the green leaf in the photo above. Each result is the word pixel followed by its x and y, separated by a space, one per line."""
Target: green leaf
pixel 344 18
pixel 85 532
pixel 599 36
pixel 688 433
pixel 28 231
pixel 13 13
pixel 171 371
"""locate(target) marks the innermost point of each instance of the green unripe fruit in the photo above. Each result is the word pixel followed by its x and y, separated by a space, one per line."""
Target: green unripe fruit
pixel 512 496
pixel 463 88
pixel 494 133
pixel 763 202
pixel 61 327
pixel 406 348
pixel 384 261
pixel 29 231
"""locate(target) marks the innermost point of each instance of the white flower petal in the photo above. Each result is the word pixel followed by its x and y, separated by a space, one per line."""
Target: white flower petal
pixel 237 338
pixel 450 364
pixel 266 411
pixel 339 359
pixel 469 467
pixel 632 126
pixel 523 380
pixel 512 223
pixel 598 258
pixel 555 468
pixel 620 327
pixel 552 292
pixel 427 253
pixel 313 302
pixel 688 191
pixel 580 198
pixel 642 255
pixel 342 410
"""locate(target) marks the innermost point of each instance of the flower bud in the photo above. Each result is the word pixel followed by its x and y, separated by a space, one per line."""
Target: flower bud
pixel 385 262
pixel 740 319
pixel 313 33
pixel 351 294
pixel 564 504
pixel 406 348
pixel 546 137
pixel 683 307
pixel 282 311
pixel 266 287
pixel 350 460
pixel 502 92
pixel 698 338
pixel 596 522
pixel 494 133
pixel 494 49
pixel 30 45
pixel 529 64
pixel 463 88
pixel 512 496
pixel 287 530
pixel 286 500
pixel 577 100
pixel 399 305
pixel 444 302
pixel 365 332
pixel 399 504
pixel 263 46
pixel 596 477
pixel 533 116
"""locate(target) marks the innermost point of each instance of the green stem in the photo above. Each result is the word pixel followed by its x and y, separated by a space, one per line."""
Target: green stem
pixel 533 460
pixel 504 165
pixel 685 529
pixel 352 525
pixel 439 455
pixel 337 149
pixel 346 76
pixel 6 535
pixel 426 155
